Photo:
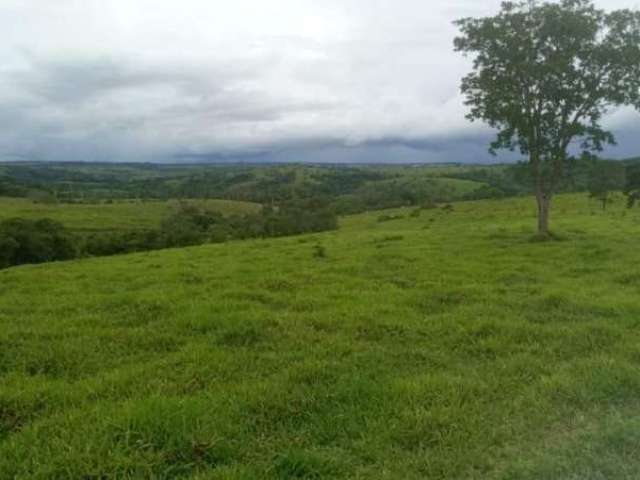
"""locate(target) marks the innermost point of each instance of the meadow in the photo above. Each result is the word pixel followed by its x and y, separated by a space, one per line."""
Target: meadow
pixel 439 343
pixel 114 216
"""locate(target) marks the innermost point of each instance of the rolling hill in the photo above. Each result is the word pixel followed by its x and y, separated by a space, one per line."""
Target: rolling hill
pixel 443 343
pixel 119 215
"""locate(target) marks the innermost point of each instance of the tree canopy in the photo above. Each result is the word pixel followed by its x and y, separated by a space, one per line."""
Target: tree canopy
pixel 544 75
pixel 605 178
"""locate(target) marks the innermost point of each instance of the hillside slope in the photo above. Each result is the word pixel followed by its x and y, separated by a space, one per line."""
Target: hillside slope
pixel 119 215
pixel 445 345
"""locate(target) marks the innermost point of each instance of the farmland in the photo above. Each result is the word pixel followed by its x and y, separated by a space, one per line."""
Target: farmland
pixel 446 343
pixel 115 216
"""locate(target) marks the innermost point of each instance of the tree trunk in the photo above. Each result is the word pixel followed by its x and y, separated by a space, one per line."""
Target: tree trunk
pixel 544 204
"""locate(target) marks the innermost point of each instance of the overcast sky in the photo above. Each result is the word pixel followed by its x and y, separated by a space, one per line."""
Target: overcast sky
pixel 248 80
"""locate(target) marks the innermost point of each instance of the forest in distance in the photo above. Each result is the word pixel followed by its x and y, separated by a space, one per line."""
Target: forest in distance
pixel 285 200
pixel 372 295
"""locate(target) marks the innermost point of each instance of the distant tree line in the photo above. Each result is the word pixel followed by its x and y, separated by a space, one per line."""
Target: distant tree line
pixel 70 183
pixel 342 189
pixel 36 241
pixel 347 189
pixel 600 179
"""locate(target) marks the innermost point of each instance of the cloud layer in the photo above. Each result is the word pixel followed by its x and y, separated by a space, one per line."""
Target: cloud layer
pixel 283 80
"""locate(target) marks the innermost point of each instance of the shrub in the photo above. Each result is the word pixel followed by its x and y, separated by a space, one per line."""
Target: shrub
pixel 389 218
pixel 34 241
pixel 319 251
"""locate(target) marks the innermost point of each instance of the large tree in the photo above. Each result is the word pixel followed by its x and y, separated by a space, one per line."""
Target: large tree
pixel 544 74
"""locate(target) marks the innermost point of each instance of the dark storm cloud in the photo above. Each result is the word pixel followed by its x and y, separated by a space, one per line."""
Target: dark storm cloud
pixel 460 149
pixel 334 81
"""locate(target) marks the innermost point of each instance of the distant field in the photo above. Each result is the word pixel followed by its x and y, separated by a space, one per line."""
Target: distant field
pixel 111 216
pixel 443 346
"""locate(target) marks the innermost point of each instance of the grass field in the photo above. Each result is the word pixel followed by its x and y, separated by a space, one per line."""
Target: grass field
pixel 447 345
pixel 121 215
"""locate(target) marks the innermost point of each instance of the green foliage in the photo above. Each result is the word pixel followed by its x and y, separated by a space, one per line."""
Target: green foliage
pixel 116 215
pixel 448 208
pixel 605 179
pixel 348 189
pixel 389 218
pixel 544 74
pixel 192 223
pixel 632 186
pixel 34 241
pixel 95 206
pixel 127 241
pixel 319 251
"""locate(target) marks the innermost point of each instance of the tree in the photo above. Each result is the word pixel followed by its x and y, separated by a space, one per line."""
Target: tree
pixel 8 248
pixel 605 178
pixel 34 241
pixel 544 74
pixel 632 187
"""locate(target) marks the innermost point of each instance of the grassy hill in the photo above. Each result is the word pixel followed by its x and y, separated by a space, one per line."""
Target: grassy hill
pixel 120 215
pixel 445 345
pixel 357 188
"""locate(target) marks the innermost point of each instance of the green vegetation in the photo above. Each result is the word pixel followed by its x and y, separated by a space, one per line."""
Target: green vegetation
pixel 632 187
pixel 544 75
pixel 121 215
pixel 605 180
pixel 34 241
pixel 351 189
pixel 443 344
pixel 37 241
pixel 432 337
pixel 104 196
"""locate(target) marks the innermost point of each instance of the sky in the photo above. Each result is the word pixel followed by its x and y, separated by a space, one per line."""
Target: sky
pixel 244 80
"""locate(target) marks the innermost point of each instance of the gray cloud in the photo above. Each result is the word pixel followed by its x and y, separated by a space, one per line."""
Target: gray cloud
pixel 285 80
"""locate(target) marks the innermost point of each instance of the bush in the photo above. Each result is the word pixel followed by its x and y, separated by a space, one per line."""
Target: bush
pixel 447 208
pixel 113 243
pixel 34 241
pixel 27 241
pixel 319 251
pixel 429 204
pixel 389 218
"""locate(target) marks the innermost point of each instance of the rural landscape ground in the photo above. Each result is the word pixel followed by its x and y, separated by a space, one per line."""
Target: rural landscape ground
pixel 292 239
pixel 442 342
pixel 123 215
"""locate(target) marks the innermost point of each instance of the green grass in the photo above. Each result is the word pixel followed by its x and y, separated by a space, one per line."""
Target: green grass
pixel 447 345
pixel 120 215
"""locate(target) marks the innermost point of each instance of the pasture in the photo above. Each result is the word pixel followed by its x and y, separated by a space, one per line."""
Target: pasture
pixel 117 215
pixel 440 343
